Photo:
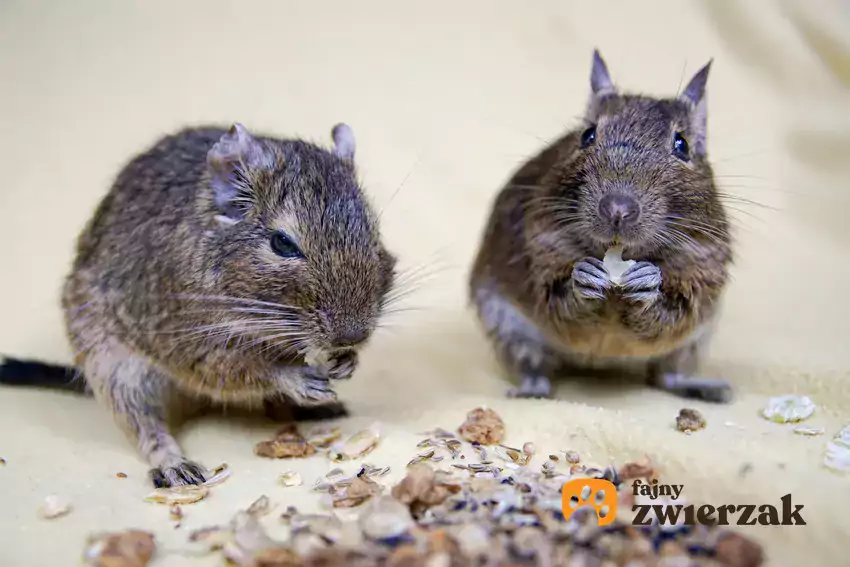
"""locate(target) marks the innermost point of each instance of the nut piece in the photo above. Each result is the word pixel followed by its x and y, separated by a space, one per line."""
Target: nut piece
pixel 54 506
pixel 249 536
pixel 386 518
pixel 214 537
pixel 638 469
pixel 260 507
pixel 474 539
pixel 323 437
pixel 483 426
pixel 133 548
pixel 420 489
pixel 359 491
pixel 276 557
pixel 689 420
pixel 288 444
pixel 783 409
pixel 735 550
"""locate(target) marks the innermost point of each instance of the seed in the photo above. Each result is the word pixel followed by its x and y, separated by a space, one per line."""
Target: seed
pixel 572 457
pixel 290 478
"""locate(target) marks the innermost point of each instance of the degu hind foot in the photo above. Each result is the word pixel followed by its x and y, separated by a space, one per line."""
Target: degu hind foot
pixel 169 467
pixel 179 472
pixel 143 401
pixel 694 387
pixel 532 387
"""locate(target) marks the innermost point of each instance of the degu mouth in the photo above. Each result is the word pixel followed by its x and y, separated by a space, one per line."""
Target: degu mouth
pixel 787 514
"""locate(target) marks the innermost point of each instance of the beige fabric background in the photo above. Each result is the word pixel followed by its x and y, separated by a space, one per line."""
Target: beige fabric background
pixel 446 99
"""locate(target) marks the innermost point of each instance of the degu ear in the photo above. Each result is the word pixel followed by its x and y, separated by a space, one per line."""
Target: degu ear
pixel 343 137
pixel 601 84
pixel 694 97
pixel 600 79
pixel 229 160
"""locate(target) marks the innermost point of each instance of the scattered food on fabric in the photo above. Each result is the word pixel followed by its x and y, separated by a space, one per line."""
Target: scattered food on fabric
pixel 472 510
pixel 469 513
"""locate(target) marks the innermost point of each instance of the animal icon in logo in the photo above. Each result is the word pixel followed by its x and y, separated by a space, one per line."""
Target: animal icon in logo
pixel 598 493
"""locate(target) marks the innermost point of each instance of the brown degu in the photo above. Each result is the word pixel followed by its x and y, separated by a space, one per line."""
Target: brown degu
pixel 634 177
pixel 221 268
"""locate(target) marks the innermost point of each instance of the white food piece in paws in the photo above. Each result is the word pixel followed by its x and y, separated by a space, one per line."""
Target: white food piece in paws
pixel 616 266
pixel 316 357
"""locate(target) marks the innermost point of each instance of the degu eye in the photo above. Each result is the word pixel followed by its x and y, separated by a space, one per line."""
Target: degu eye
pixel 588 137
pixel 284 247
pixel 680 147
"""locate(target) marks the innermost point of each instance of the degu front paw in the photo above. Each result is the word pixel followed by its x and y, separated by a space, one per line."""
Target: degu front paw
pixel 532 387
pixel 642 283
pixel 343 366
pixel 313 388
pixel 590 279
